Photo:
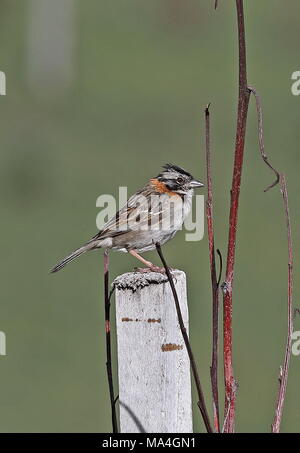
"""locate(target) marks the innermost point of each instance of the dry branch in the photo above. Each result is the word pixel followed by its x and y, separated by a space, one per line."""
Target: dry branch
pixel 214 281
pixel 284 371
pixel 107 296
pixel 283 375
pixel 261 137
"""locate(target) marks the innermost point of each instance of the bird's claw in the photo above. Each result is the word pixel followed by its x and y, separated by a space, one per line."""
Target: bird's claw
pixel 145 270
pixel 153 268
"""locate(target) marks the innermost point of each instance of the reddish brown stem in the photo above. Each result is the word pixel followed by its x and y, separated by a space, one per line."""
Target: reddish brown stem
pixel 243 103
pixel 213 273
pixel 284 371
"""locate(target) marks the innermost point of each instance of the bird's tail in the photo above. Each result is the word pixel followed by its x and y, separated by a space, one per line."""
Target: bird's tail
pixel 72 256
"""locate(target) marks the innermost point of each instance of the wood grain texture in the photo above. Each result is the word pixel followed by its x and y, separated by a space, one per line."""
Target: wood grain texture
pixel 153 364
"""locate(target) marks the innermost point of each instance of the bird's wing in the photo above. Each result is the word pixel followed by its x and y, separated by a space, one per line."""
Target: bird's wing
pixel 140 212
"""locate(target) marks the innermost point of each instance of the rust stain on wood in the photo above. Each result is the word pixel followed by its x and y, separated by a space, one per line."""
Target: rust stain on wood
pixel 130 320
pixel 171 347
pixel 150 320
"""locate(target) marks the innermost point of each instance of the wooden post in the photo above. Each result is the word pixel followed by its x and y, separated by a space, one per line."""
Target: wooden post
pixel 153 364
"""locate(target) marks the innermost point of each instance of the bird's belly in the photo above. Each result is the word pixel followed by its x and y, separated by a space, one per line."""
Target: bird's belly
pixel 141 241
pixel 143 236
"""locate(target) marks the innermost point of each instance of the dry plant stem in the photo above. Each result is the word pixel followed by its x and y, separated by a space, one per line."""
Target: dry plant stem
pixel 283 376
pixel 243 104
pixel 107 296
pixel 284 371
pixel 261 137
pixel 201 402
pixel 214 282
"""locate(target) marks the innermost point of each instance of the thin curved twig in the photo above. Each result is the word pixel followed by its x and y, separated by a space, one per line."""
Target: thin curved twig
pixel 261 137
pixel 284 371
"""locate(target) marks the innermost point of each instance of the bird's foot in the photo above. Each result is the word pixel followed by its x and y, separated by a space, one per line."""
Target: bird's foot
pixel 153 268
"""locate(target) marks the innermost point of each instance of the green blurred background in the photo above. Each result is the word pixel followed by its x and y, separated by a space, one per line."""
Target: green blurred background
pixel 100 94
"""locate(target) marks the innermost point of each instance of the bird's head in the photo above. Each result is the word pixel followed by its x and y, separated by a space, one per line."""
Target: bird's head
pixel 178 180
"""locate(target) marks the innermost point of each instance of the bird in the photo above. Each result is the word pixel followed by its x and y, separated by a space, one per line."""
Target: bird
pixel 152 215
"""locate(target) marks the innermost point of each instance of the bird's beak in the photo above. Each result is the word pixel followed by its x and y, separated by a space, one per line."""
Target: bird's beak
pixel 195 183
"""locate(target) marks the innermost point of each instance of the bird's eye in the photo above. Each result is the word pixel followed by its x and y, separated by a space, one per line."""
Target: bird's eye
pixel 180 180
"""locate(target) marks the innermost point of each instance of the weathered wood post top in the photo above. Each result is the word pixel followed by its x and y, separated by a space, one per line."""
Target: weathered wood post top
pixel 153 364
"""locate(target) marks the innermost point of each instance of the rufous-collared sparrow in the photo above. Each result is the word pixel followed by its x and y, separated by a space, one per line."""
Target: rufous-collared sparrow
pixel 152 215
